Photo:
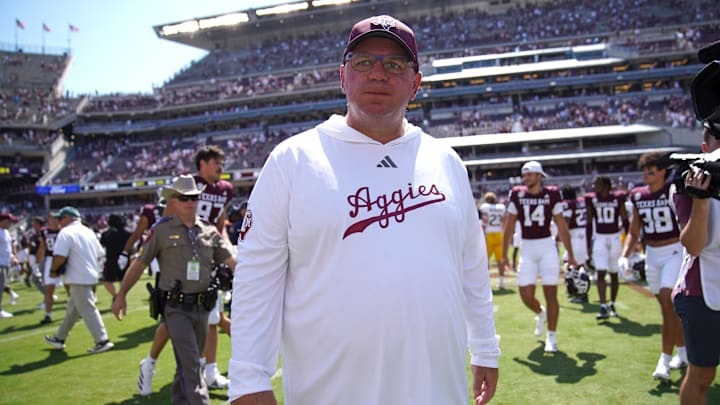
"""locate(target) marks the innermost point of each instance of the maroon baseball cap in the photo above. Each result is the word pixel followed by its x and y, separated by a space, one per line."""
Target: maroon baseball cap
pixel 6 215
pixel 384 26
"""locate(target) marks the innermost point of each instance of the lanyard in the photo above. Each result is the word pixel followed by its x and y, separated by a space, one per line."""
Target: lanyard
pixel 194 236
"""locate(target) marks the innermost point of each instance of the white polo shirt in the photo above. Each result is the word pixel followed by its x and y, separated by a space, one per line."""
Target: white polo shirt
pixel 5 248
pixel 82 249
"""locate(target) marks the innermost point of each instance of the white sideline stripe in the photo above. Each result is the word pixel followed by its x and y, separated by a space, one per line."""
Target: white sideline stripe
pixel 52 329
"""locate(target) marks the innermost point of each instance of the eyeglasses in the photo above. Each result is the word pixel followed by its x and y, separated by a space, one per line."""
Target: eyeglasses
pixel 185 198
pixel 392 64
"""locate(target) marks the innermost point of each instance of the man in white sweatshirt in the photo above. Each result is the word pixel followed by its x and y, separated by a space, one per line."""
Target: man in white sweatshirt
pixel 362 254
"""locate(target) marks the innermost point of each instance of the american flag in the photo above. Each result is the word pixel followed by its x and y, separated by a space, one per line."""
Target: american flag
pixel 46 28
pixel 73 28
pixel 20 24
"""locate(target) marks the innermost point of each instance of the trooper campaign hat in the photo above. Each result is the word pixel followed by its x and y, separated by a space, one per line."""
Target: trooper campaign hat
pixel 183 185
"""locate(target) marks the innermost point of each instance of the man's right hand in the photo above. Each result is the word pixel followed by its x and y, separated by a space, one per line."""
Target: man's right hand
pixel 119 306
pixel 624 266
pixel 123 260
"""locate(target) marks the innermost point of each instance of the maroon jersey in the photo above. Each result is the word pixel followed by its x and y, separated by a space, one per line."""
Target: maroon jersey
pixel 49 236
pixel 152 212
pixel 213 199
pixel 33 242
pixel 575 213
pixel 534 211
pixel 657 216
pixel 606 211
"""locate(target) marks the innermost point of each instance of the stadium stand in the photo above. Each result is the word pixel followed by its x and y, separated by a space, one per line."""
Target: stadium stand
pixel 611 77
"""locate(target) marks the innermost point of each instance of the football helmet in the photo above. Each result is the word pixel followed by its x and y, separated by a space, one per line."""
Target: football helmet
pixel 577 281
pixel 223 277
pixel 637 267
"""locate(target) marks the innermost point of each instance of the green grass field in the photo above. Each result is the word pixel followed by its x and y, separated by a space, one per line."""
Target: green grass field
pixel 598 363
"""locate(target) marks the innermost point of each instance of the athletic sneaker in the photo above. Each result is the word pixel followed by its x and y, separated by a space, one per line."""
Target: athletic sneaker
pixel 4 314
pixel 147 371
pixel 216 382
pixel 662 371
pixel 678 362
pixel 540 321
pixel 603 314
pixel 611 307
pixel 41 306
pixel 46 320
pixel 100 347
pixel 55 342
pixel 550 345
pixel 13 297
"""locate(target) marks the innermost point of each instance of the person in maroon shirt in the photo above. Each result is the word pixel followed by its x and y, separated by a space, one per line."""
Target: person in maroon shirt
pixel 697 294
pixel 44 258
pixel 149 214
pixel 575 214
pixel 654 216
pixel 605 212
pixel 535 206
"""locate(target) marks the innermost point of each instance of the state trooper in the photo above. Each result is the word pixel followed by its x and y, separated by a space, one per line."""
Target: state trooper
pixel 185 247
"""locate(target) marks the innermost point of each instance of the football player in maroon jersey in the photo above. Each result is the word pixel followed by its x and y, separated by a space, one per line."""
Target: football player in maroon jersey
pixel 44 259
pixel 535 206
pixel 605 214
pixel 575 214
pixel 653 213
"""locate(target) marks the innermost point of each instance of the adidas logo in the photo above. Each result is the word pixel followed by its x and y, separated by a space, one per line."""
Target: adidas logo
pixel 386 162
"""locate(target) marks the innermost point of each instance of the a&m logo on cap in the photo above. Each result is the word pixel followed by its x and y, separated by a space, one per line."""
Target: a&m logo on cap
pixel 385 21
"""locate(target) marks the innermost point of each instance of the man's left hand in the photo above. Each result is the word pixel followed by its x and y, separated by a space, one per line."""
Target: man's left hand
pixel 484 383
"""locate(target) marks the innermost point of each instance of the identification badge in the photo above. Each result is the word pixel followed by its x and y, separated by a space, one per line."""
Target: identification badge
pixel 193 270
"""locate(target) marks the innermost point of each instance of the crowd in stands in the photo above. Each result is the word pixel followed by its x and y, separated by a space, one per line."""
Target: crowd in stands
pixel 466 33
pixel 100 159
pixel 33 137
pixel 244 73
pixel 674 111
pixel 115 158
pixel 28 88
pixel 214 90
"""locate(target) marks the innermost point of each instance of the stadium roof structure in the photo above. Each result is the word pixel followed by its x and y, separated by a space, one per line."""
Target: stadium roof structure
pixel 521 68
pixel 654 139
pixel 234 29
pixel 550 135
pixel 571 156
pixel 454 61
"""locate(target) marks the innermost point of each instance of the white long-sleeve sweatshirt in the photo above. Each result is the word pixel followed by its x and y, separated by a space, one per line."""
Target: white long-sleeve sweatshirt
pixel 365 265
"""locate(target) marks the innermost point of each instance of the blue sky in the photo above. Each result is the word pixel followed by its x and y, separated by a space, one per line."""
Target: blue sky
pixel 115 49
